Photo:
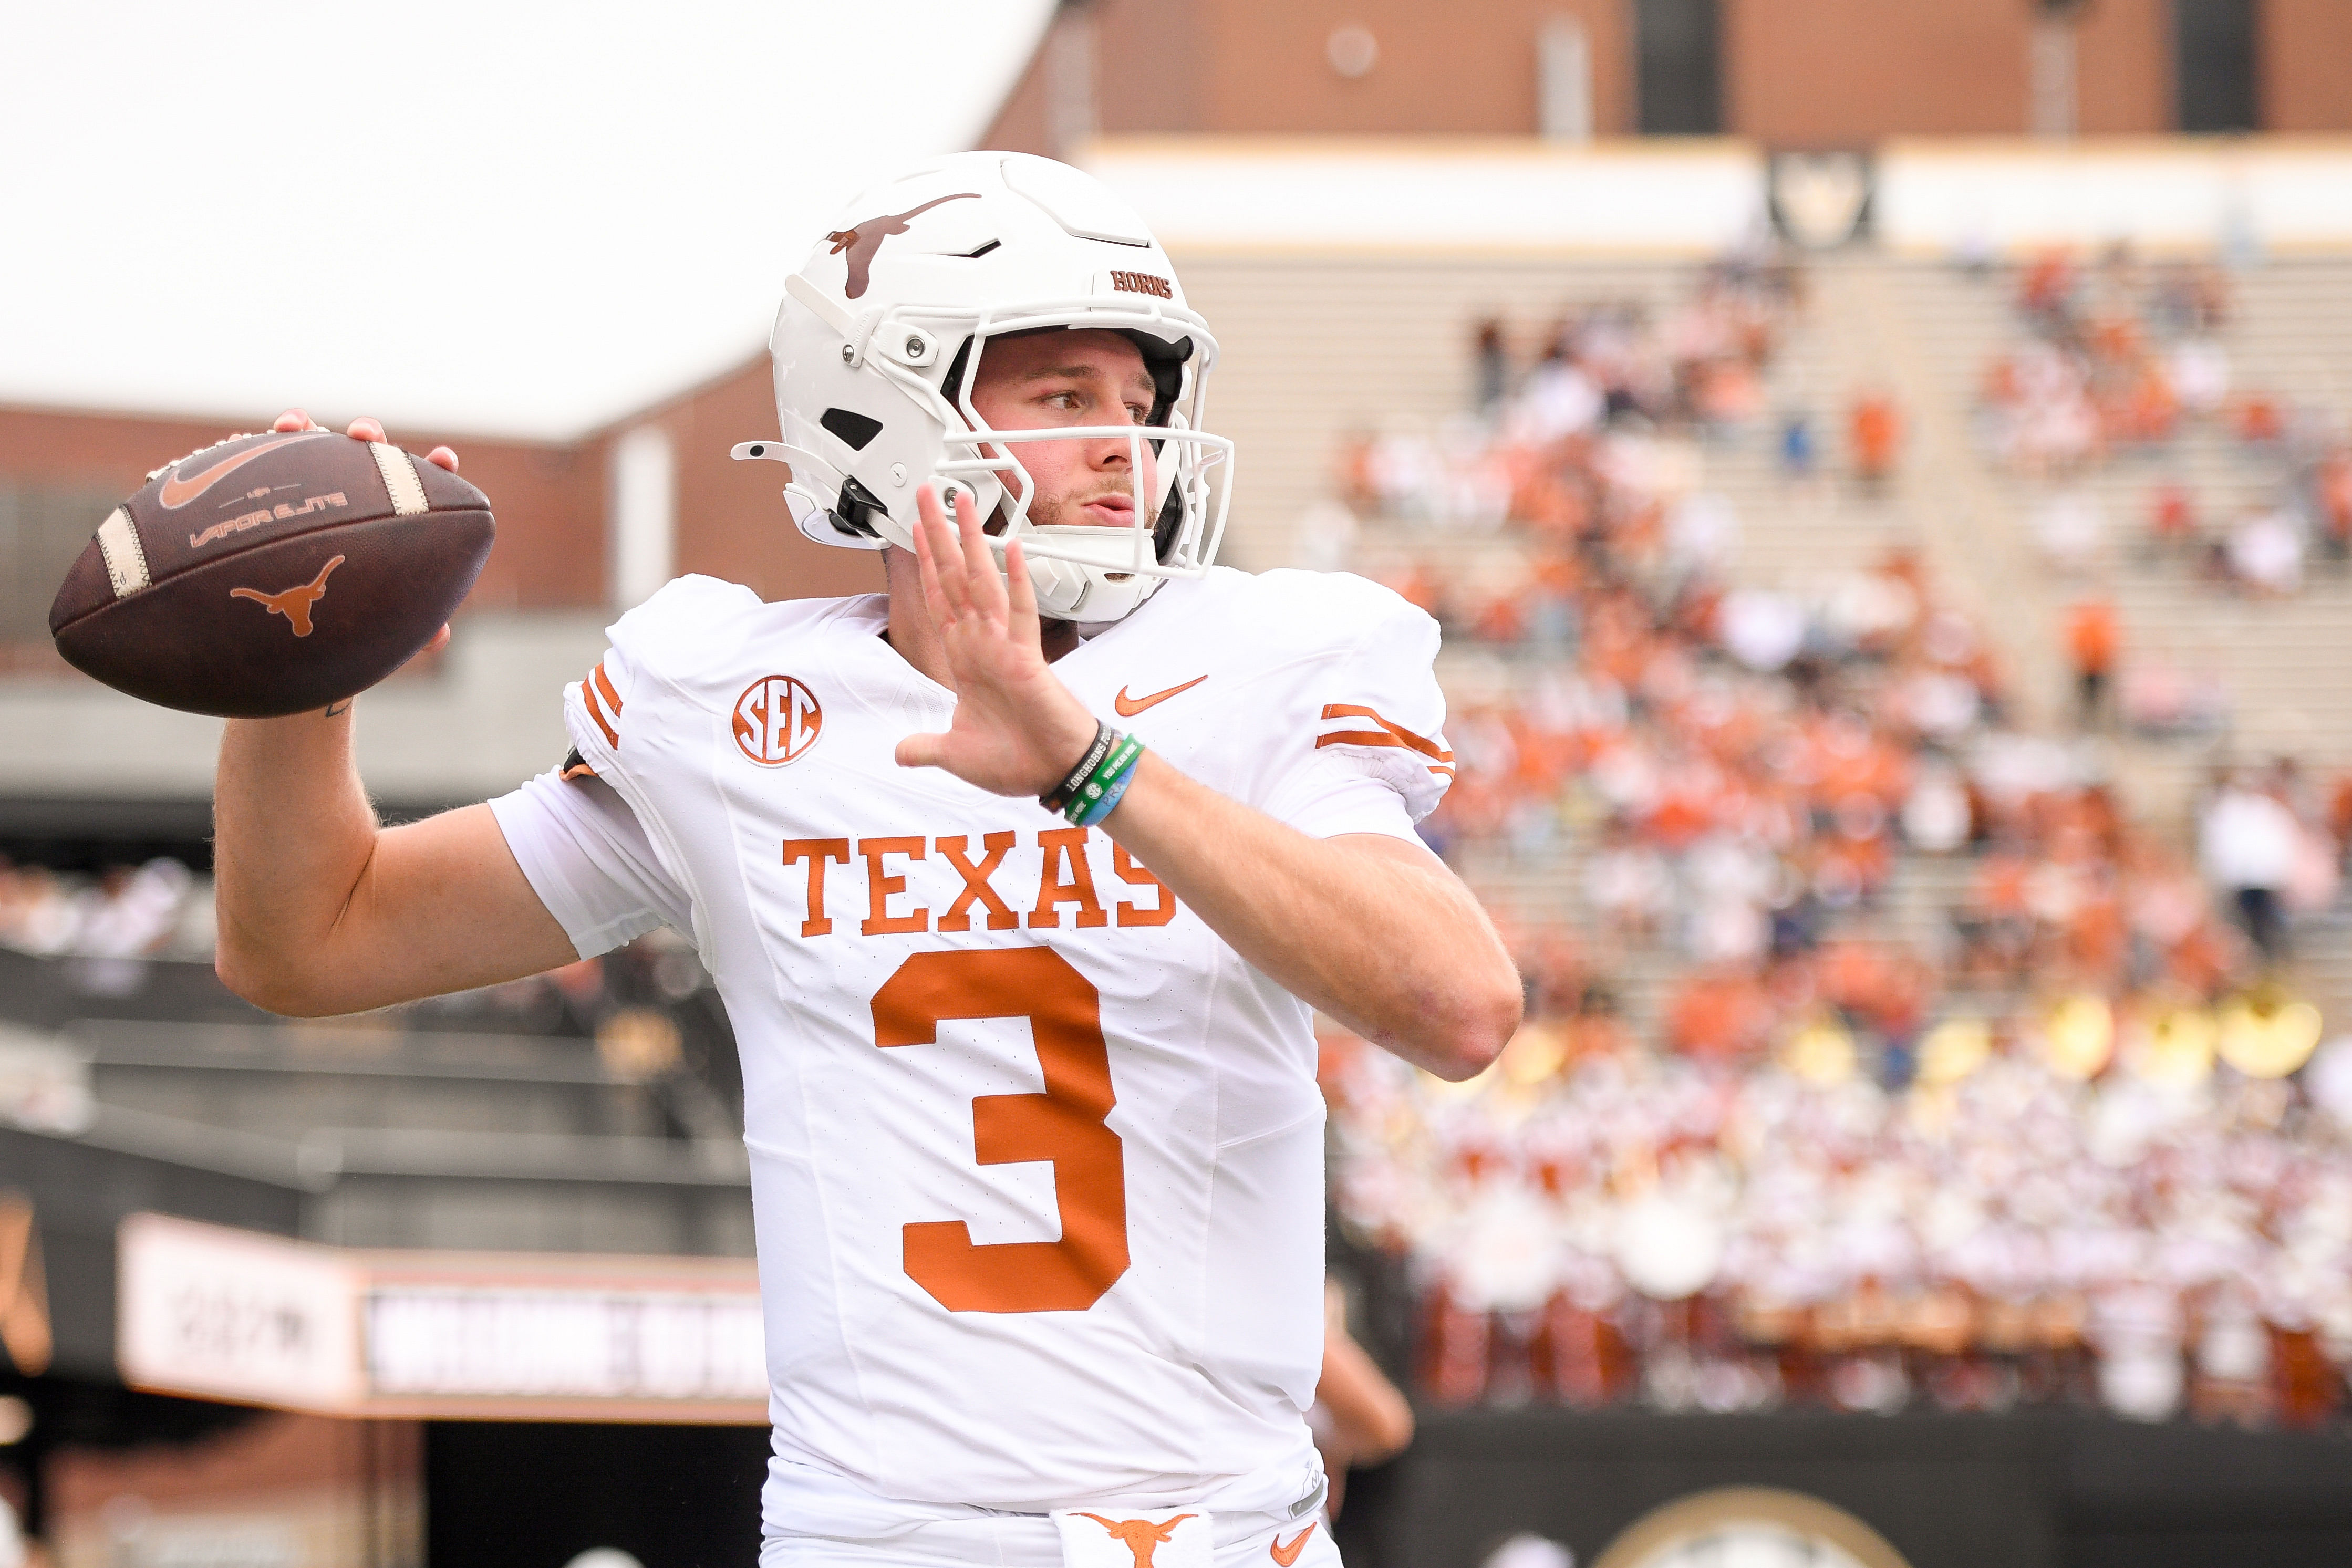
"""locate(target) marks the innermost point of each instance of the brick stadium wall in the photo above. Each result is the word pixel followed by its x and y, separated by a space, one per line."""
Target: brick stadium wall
pixel 731 521
pixel 2303 50
pixel 1840 73
pixel 1233 68
pixel 2123 68
pixel 1834 73
pixel 1441 68
pixel 1797 73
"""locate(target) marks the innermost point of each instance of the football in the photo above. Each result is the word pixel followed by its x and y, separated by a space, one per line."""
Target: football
pixel 271 574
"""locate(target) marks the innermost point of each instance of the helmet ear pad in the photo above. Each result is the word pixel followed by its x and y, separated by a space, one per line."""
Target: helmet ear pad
pixel 1164 527
pixel 1165 362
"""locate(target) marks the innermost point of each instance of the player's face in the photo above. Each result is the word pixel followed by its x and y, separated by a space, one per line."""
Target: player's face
pixel 1075 377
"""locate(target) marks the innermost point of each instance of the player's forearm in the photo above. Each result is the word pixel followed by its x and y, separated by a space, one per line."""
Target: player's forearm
pixel 1395 950
pixel 293 833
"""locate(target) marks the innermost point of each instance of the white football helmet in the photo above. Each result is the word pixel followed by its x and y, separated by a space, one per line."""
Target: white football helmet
pixel 880 337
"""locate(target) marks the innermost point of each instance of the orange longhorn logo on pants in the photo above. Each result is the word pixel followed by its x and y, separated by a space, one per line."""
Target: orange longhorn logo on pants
pixel 1140 1536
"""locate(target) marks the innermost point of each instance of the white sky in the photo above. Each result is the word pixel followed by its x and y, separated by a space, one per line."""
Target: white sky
pixel 495 217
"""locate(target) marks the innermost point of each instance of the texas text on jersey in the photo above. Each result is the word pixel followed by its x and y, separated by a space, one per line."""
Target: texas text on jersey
pixel 1036 1157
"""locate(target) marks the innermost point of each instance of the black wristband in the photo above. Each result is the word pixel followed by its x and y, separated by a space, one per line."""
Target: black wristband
pixel 1057 797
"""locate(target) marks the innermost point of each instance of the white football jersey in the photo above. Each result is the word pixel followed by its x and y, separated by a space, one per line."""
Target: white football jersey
pixel 1036 1158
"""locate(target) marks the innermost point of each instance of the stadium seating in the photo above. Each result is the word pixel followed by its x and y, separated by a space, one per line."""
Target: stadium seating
pixel 1417 495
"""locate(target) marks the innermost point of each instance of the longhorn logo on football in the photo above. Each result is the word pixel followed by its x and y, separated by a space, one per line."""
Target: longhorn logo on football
pixel 776 720
pixel 294 603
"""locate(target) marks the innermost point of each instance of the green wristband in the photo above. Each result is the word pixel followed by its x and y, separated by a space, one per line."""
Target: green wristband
pixel 1091 802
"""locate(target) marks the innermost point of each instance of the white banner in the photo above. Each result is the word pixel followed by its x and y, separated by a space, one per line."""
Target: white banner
pixel 230 1315
pixel 2199 193
pixel 206 1310
pixel 564 1343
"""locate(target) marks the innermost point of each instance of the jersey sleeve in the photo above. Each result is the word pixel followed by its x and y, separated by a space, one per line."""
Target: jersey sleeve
pixel 1377 760
pixel 675 622
pixel 597 866
pixel 593 710
pixel 587 857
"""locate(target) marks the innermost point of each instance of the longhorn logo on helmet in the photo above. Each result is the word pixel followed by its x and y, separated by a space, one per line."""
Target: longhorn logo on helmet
pixel 863 241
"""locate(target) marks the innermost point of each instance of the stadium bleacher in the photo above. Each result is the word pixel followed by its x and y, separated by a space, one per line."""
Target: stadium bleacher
pixel 1423 498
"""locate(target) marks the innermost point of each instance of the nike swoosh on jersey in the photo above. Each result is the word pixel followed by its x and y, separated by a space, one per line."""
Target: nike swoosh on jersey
pixel 178 491
pixel 1129 706
pixel 1288 1555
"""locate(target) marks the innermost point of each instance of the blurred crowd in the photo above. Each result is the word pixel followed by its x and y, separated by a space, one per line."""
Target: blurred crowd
pixel 1884 943
pixel 2117 356
pixel 1562 436
pixel 1592 1224
pixel 159 909
pixel 2121 360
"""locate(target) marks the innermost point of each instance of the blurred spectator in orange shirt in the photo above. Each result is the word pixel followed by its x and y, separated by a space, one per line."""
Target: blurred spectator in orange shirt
pixel 2260 420
pixel 1874 430
pixel 2339 813
pixel 2171 518
pixel 1720 1012
pixel 2047 289
pixel 2332 488
pixel 2092 639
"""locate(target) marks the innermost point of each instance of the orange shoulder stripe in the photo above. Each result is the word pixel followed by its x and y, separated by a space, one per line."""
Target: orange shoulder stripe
pixel 588 700
pixel 1388 734
pixel 604 685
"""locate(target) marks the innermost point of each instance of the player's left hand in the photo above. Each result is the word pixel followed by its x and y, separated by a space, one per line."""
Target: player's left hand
pixel 1018 730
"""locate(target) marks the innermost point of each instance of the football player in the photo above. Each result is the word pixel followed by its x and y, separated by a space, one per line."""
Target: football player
pixel 1024 1002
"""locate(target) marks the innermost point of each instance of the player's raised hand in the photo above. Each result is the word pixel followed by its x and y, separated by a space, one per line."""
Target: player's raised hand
pixel 363 428
pixel 1017 730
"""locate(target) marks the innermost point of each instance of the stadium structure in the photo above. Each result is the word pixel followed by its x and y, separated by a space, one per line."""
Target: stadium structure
pixel 1885 473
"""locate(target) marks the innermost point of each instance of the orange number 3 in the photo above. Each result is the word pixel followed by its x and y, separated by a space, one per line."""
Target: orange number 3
pixel 1064 1124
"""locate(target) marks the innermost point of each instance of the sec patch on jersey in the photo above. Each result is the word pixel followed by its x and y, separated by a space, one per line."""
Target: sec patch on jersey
pixel 272 574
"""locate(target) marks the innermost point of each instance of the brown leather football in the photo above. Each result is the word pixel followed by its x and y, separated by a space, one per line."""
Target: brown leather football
pixel 272 574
